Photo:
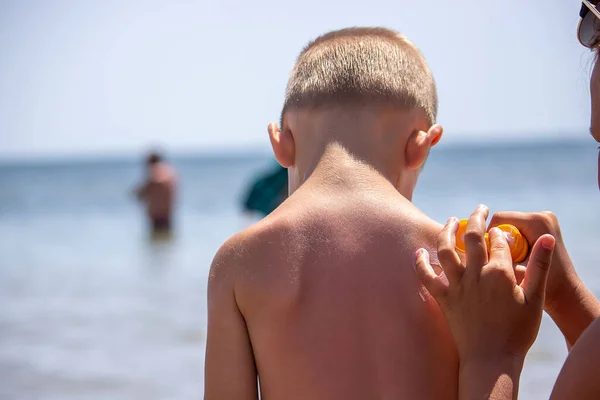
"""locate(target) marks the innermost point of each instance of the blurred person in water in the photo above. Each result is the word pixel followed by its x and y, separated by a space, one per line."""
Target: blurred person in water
pixel 157 192
pixel 267 192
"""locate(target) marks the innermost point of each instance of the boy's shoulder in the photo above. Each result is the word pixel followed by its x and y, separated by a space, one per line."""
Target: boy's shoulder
pixel 280 234
pixel 248 247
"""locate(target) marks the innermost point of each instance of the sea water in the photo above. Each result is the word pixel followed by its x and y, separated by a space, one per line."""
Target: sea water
pixel 91 309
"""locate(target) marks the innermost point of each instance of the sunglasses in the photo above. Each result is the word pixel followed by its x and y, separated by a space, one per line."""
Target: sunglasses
pixel 588 31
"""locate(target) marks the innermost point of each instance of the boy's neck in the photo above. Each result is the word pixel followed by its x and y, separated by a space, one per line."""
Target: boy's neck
pixel 338 170
pixel 353 150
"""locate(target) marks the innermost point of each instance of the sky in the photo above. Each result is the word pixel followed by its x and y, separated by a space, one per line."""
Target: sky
pixel 108 77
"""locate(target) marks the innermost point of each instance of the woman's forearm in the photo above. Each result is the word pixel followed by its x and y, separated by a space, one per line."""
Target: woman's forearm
pixel 575 311
pixel 496 378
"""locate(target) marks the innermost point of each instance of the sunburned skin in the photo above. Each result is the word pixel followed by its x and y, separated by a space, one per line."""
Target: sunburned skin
pixel 325 291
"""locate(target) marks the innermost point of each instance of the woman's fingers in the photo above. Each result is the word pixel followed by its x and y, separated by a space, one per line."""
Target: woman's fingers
pixel 449 259
pixel 499 250
pixel 434 284
pixel 475 246
pixel 534 283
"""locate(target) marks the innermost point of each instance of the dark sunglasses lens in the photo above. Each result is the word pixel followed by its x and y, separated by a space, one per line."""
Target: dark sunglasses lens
pixel 588 30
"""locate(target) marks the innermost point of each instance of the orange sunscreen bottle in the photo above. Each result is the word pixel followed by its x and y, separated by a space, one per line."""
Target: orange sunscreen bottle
pixel 516 242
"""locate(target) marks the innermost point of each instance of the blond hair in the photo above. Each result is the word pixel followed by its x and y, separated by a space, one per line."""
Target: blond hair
pixel 362 66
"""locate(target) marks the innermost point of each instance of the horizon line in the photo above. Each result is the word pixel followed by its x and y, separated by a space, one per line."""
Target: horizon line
pixel 263 149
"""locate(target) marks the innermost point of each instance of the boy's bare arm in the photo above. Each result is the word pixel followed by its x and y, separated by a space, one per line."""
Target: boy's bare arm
pixel 230 371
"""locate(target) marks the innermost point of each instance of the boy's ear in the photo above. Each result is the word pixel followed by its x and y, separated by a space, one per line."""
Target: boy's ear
pixel 283 145
pixel 419 143
pixel 435 134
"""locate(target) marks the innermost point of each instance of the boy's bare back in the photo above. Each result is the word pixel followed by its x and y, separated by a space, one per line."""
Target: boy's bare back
pixel 320 299
pixel 331 303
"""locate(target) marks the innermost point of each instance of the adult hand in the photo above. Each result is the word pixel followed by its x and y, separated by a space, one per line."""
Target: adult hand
pixel 493 319
pixel 572 306
pixel 488 312
pixel 533 225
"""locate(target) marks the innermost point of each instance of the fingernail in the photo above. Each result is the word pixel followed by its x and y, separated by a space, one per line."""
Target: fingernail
pixel 495 231
pixel 482 207
pixel 419 253
pixel 451 220
pixel 548 243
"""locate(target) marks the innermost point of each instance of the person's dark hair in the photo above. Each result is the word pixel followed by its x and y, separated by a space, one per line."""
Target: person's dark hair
pixel 153 158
